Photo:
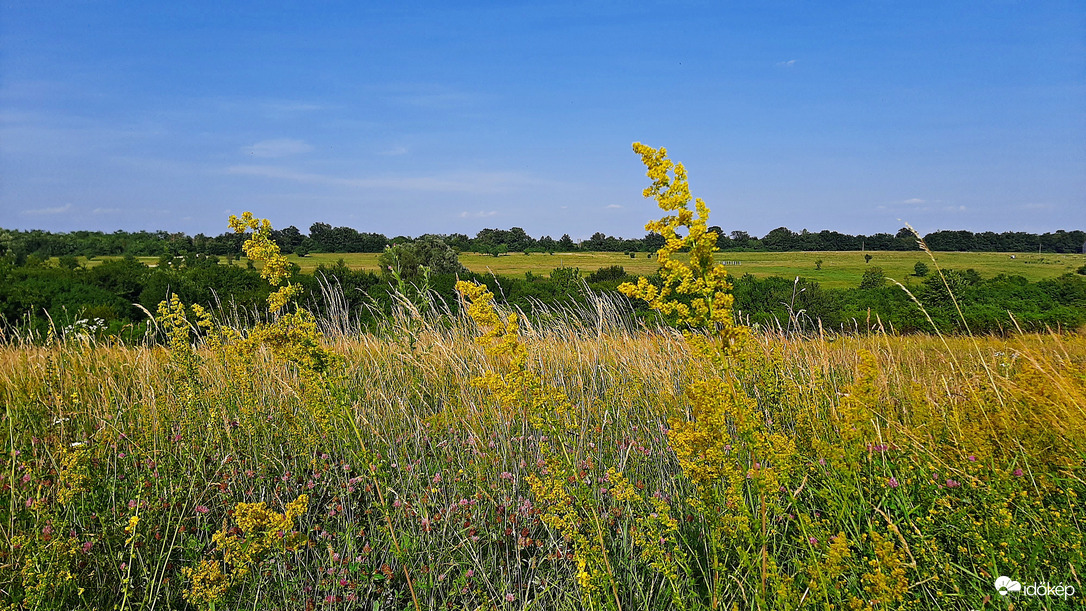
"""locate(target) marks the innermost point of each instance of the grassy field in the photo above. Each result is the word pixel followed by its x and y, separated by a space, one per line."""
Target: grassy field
pixel 617 470
pixel 838 270
pixel 577 460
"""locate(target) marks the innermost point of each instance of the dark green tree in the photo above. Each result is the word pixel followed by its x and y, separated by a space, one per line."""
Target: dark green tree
pixel 873 278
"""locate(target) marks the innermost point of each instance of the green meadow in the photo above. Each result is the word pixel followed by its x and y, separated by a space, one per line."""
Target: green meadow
pixel 838 269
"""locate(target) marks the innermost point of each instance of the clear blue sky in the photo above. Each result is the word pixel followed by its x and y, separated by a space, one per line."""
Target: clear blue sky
pixel 416 117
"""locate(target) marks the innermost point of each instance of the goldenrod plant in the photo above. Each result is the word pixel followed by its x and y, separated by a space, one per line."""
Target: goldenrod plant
pixel 693 294
pixel 259 534
pixel 260 248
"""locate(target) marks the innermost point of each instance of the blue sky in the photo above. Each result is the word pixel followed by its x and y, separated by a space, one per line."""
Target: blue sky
pixel 419 117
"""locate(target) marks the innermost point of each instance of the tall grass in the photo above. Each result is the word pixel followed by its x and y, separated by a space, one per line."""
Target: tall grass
pixel 954 478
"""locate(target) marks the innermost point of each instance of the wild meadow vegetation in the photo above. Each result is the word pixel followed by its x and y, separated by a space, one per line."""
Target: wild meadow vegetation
pixel 581 458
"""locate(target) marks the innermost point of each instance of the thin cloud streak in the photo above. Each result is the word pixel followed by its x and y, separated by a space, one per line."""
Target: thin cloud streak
pixel 464 182
pixel 47 211
pixel 278 147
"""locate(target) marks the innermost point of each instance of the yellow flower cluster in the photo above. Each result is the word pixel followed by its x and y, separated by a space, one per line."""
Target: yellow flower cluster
pixel 263 531
pixel 295 338
pixel 693 294
pixel 45 567
pixel 886 581
pixel 517 389
pixel 654 531
pixel 500 336
pixel 130 530
pixel 262 249
pixel 74 475
pixel 837 556
pixel 183 359
pixel 826 575
pixel 208 583
pixel 562 515
pixel 256 518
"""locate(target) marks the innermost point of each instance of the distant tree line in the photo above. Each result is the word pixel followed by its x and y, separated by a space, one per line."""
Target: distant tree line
pixel 323 238
pixel 114 296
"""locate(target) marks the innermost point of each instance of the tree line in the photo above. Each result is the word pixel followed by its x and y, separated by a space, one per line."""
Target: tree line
pixel 323 238
pixel 113 298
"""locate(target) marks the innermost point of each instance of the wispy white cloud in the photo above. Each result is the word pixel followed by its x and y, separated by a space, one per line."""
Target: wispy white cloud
pixel 395 151
pixel 105 211
pixel 292 106
pixel 613 206
pixel 786 64
pixel 47 211
pixel 481 214
pixel 278 147
pixel 459 182
pixel 916 205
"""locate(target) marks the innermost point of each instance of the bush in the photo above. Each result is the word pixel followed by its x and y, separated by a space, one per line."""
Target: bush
pixel 408 259
pixel 607 274
pixel 873 279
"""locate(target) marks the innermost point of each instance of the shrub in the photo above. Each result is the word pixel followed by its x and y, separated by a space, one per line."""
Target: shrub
pixel 607 274
pixel 408 260
pixel 873 278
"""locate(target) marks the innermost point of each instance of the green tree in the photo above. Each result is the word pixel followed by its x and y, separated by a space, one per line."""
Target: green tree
pixel 565 279
pixel 408 259
pixel 920 270
pixel 873 278
pixel 781 238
